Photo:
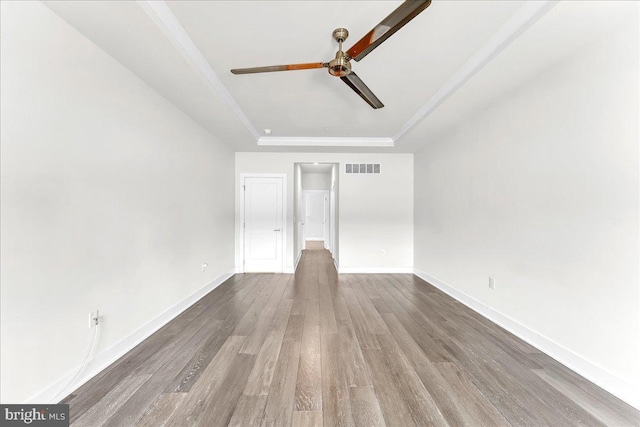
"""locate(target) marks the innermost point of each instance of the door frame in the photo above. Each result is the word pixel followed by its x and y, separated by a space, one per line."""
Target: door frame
pixel 327 194
pixel 283 176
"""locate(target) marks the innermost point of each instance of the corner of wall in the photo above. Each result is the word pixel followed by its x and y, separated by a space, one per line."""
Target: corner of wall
pixel 591 371
pixel 116 351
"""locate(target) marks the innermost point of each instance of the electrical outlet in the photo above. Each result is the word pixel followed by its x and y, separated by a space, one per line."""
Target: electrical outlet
pixel 94 318
pixel 204 266
pixel 383 252
pixel 492 283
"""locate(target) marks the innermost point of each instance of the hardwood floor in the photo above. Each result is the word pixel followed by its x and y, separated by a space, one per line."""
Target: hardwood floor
pixel 315 349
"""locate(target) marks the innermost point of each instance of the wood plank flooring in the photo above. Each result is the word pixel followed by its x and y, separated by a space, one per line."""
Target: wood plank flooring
pixel 318 349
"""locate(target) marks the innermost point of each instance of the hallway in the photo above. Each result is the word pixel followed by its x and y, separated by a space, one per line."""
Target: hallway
pixel 314 349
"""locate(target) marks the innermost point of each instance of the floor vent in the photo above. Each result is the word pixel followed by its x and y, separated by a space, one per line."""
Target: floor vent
pixel 362 168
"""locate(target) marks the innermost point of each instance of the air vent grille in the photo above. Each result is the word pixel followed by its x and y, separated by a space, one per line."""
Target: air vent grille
pixel 362 168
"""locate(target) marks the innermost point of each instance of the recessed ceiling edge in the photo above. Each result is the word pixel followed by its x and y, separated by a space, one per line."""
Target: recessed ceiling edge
pixel 297 141
pixel 526 16
pixel 168 23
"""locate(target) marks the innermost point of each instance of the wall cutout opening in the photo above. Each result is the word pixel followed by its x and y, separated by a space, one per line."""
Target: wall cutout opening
pixel 316 208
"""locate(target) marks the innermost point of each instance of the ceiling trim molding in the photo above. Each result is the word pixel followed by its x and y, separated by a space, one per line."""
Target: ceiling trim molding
pixel 524 17
pixel 301 141
pixel 164 18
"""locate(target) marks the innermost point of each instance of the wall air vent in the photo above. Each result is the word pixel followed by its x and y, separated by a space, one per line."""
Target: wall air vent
pixel 362 168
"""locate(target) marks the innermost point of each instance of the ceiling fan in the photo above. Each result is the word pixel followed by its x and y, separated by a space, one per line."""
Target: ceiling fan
pixel 340 66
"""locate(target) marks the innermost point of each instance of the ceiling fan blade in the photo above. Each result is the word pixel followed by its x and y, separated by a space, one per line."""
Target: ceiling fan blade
pixel 361 89
pixel 271 68
pixel 385 29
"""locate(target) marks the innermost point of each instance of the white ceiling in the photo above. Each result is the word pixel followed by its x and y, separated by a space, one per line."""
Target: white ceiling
pixel 185 50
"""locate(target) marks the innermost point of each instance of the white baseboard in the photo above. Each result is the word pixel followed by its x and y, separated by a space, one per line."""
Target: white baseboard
pixel 113 353
pixel 297 261
pixel 577 363
pixel 374 270
pixel 287 270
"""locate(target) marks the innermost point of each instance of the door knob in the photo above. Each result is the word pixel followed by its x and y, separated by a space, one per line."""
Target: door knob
pixel 277 229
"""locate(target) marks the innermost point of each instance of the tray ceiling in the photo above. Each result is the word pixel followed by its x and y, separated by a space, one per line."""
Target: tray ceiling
pixel 185 50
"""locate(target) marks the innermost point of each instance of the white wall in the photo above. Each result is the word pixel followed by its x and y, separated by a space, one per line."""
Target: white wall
pixel 111 199
pixel 540 191
pixel 375 211
pixel 316 181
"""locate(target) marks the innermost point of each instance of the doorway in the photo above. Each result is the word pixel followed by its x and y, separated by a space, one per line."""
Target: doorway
pixel 316 208
pixel 263 223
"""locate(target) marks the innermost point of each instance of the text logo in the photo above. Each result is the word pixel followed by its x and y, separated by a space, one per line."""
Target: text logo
pixel 34 415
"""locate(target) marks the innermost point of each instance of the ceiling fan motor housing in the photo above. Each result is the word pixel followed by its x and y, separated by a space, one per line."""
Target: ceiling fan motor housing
pixel 340 66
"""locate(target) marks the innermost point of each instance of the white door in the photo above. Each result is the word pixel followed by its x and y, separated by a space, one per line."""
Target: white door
pixel 263 224
pixel 314 215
